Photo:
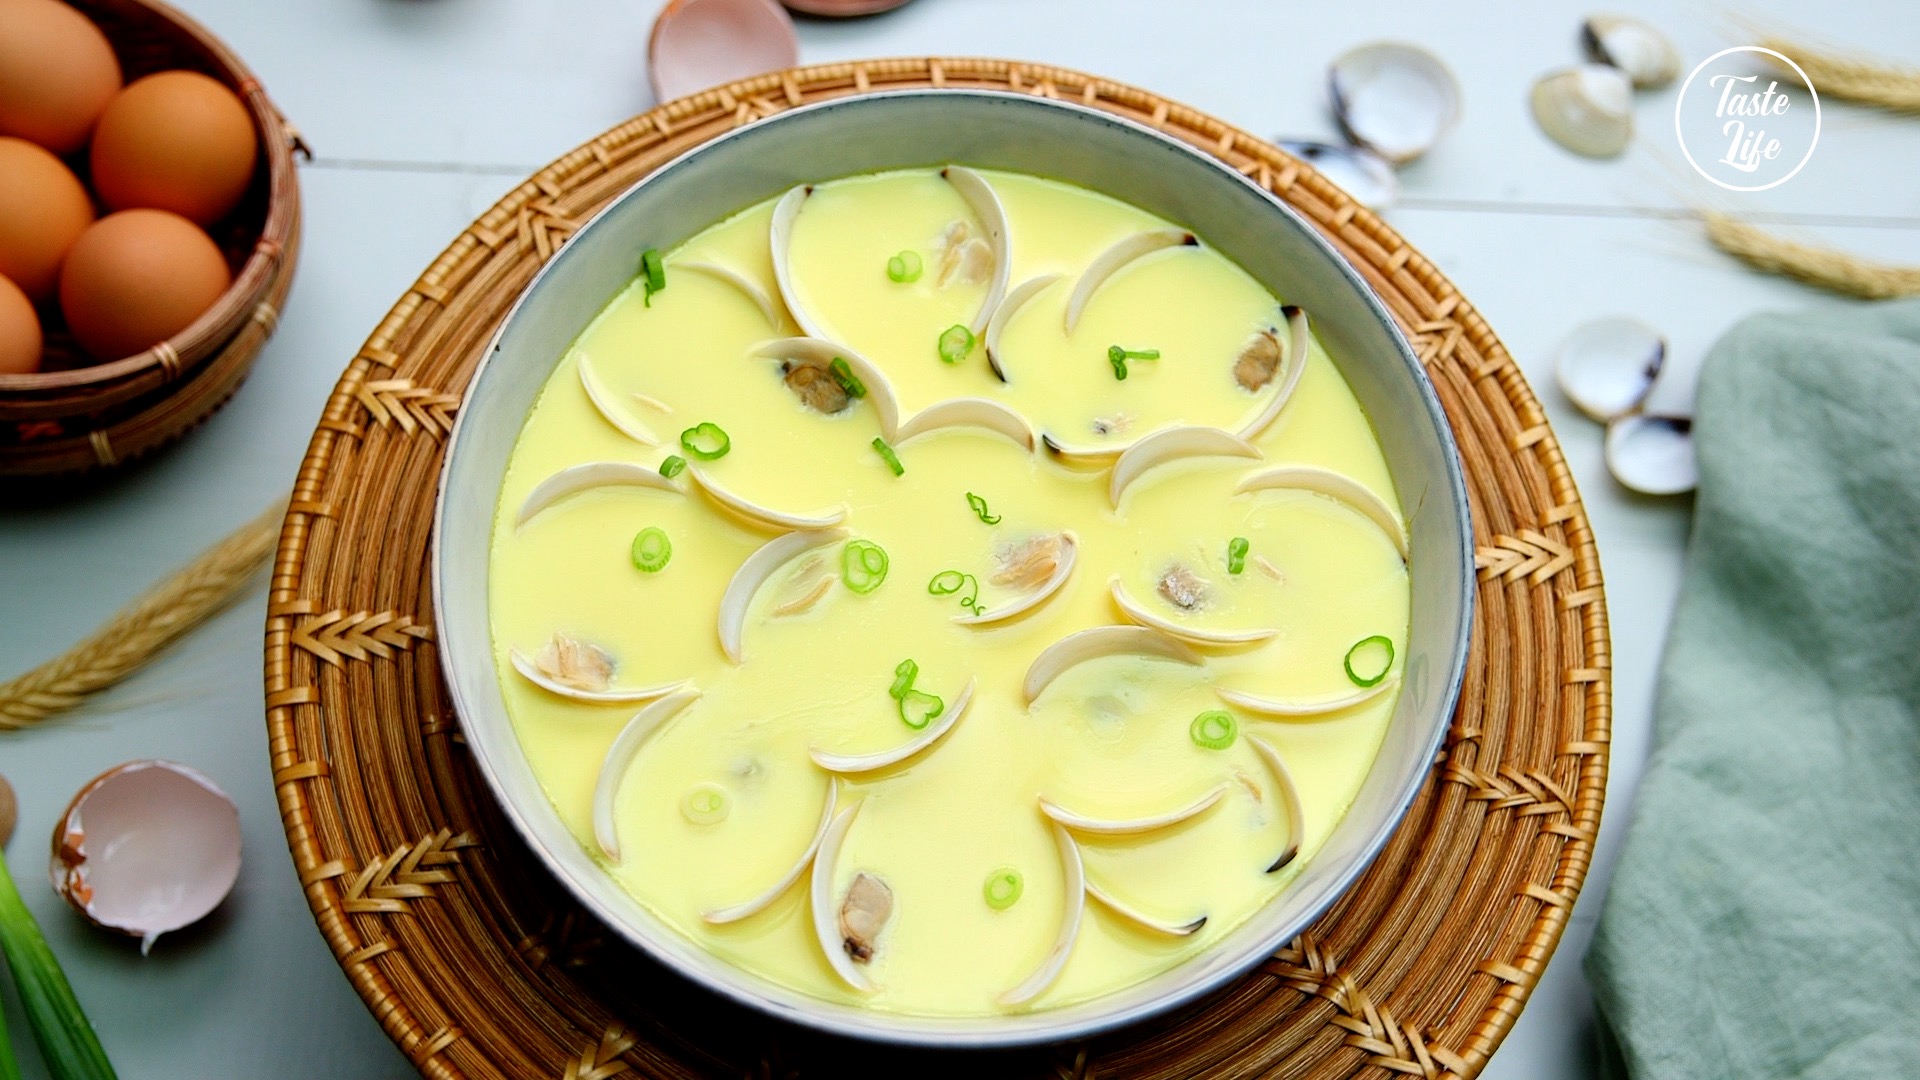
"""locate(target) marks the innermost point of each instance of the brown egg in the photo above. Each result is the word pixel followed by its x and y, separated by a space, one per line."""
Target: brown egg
pixel 19 330
pixel 136 278
pixel 43 209
pixel 57 73
pixel 176 140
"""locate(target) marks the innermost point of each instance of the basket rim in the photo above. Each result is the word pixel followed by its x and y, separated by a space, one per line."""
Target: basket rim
pixel 1065 1022
pixel 1514 804
pixel 206 335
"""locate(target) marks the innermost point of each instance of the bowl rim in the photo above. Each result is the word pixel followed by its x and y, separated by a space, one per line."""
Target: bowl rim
pixel 111 382
pixel 767 997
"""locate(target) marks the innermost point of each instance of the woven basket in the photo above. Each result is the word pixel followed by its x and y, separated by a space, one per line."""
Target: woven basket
pixel 479 964
pixel 76 415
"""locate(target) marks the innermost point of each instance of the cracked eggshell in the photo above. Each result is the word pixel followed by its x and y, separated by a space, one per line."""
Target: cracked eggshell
pixel 146 848
pixel 696 44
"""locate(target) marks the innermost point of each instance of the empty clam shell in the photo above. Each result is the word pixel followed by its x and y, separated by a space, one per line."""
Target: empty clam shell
pixel 986 206
pixel 765 900
pixel 1132 826
pixel 780 244
pixel 1290 794
pixel 1296 709
pixel 146 848
pixel 1081 457
pixel 1608 366
pixel 1076 896
pixel 1588 109
pixel 983 413
pixel 1003 314
pixel 1109 262
pixel 1394 99
pixel 854 764
pixel 826 923
pixel 1652 454
pixel 1137 612
pixel 593 474
pixel 763 517
pixel 1140 918
pixel 700 43
pixel 1096 642
pixel 1169 445
pixel 613 768
pixel 1645 54
pixel 1335 486
pixel 1358 171
pixel 609 410
pixel 753 574
pixel 745 285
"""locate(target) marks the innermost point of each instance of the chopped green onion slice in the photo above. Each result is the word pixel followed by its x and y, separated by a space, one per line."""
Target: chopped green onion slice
pixel 918 709
pixel 673 466
pixel 1118 357
pixel 1214 729
pixel 948 582
pixel 651 549
pixel 956 342
pixel 887 455
pixel 844 375
pixel 1003 888
pixel 863 565
pixel 705 804
pixel 654 271
pixel 1378 648
pixel 904 267
pixel 979 507
pixel 1237 554
pixel 706 440
pixel 903 675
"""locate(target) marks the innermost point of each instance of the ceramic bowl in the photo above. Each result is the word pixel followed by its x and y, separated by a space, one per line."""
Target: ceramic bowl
pixel 1003 131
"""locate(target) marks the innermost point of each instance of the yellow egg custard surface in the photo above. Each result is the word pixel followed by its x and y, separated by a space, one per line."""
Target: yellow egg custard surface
pixel 950 591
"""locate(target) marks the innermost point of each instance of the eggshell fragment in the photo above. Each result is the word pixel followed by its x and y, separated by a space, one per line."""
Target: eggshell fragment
pixel 57 73
pixel 175 140
pixel 136 278
pixel 43 210
pixel 146 848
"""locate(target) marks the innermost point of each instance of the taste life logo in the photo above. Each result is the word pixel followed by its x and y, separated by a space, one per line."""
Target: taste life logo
pixel 1740 126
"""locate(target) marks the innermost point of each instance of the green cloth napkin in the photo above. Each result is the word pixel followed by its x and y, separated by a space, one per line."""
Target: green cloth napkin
pixel 1764 917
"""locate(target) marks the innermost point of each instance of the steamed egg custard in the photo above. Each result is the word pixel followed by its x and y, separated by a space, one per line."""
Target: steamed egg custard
pixel 951 591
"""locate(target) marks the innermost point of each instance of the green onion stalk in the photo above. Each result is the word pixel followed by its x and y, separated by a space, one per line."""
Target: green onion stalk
pixel 67 1042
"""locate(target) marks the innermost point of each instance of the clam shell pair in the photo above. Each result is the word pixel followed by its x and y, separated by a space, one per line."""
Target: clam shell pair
pixel 1393 102
pixel 1607 368
pixel 1588 108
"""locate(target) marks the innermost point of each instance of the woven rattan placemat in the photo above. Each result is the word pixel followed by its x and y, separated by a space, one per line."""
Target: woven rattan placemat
pixel 478 964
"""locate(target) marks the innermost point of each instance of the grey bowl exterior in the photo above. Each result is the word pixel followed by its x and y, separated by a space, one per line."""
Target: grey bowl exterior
pixel 991 130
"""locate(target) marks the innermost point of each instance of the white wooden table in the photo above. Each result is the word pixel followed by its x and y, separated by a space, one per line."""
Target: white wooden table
pixel 422 112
